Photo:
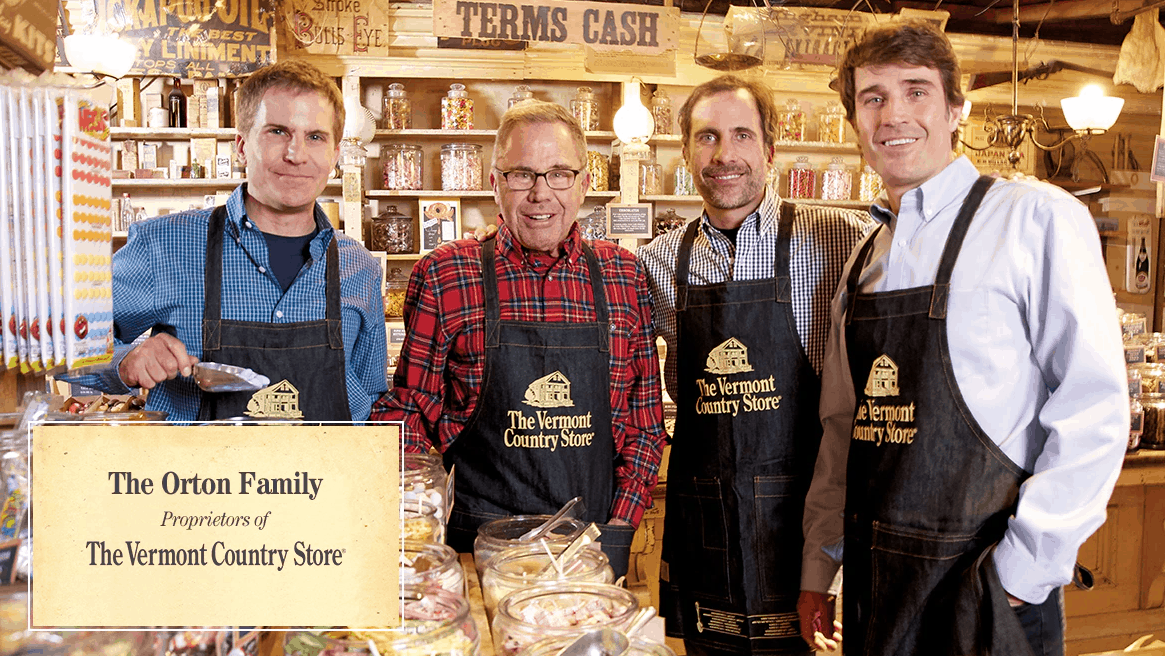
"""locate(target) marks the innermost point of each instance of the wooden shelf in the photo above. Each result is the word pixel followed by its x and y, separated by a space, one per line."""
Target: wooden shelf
pixel 474 135
pixel 848 204
pixel 187 183
pixel 171 134
pixel 666 198
pixel 436 193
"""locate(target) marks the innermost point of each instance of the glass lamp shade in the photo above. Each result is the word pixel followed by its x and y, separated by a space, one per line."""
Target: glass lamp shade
pixel 100 53
pixel 633 122
pixel 1091 110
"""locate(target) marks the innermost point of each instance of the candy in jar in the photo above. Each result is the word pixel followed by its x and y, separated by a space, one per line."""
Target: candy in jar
pixel 668 221
pixel 457 109
pixel 525 616
pixel 594 225
pixel 870 184
pixel 661 112
pixel 1136 423
pixel 398 110
pixel 836 181
pixel 684 185
pixel 650 179
pixel 461 167
pixel 597 166
pixel 403 165
pixel 791 122
pixel 585 108
pixel 831 123
pixel 391 232
pixel 802 179
pixel 521 92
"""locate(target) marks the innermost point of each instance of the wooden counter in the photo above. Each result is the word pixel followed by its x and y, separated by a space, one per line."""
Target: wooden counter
pixel 1127 559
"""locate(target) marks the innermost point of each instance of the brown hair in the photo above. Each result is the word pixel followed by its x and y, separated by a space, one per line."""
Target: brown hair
pixel 910 42
pixel 292 74
pixel 760 92
pixel 539 111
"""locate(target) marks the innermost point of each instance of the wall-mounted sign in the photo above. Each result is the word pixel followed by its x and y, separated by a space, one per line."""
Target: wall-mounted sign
pixel 29 29
pixel 327 27
pixel 193 40
pixel 630 221
pixel 480 44
pixel 600 25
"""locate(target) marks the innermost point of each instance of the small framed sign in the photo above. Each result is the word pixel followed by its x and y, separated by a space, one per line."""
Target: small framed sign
pixel 440 222
pixel 629 221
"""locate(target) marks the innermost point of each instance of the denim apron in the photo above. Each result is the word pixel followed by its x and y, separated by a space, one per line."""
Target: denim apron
pixel 746 438
pixel 540 434
pixel 303 359
pixel 928 493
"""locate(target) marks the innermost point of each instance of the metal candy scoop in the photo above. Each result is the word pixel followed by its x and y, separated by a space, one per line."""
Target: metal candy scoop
pixel 217 377
pixel 601 642
pixel 548 525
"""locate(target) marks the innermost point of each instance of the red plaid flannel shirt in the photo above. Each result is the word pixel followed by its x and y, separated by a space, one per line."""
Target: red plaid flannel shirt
pixel 438 376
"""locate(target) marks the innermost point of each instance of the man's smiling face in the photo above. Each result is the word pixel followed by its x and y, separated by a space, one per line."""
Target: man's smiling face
pixel 903 123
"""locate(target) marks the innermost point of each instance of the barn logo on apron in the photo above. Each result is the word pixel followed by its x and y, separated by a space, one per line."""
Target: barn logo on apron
pixel 730 357
pixel 551 391
pixel 278 401
pixel 883 380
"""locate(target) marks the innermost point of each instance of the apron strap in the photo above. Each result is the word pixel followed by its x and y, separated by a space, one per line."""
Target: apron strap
pixel 942 280
pixel 602 313
pixel 212 282
pixel 782 273
pixel 683 258
pixel 489 277
pixel 332 296
pixel 851 281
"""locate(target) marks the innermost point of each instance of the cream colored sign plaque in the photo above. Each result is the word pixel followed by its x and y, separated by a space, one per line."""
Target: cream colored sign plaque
pixel 159 525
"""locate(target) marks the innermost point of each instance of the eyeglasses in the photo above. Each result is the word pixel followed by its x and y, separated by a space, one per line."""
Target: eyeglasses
pixel 555 178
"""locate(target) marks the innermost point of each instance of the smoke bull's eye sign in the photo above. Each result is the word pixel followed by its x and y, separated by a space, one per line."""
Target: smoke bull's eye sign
pixel 603 26
pixel 193 38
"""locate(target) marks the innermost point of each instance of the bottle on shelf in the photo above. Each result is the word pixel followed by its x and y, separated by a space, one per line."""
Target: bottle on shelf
pixel 127 213
pixel 1141 279
pixel 176 102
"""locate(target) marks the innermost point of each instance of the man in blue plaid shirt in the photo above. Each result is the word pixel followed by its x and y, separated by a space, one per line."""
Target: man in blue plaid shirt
pixel 263 282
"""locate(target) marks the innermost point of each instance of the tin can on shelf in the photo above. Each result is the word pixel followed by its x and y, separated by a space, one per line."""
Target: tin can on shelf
pixel 661 112
pixel 403 166
pixel 802 179
pixel 585 108
pixel 598 167
pixel 457 109
pixel 461 167
pixel 521 92
pixel 398 109
pixel 831 123
pixel 836 181
pixel 391 232
pixel 791 122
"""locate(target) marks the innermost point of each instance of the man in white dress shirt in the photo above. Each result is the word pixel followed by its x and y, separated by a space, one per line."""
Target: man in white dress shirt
pixel 974 398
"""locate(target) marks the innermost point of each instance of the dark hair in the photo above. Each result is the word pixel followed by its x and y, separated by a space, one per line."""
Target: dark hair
pixel 760 92
pixel 910 42
pixel 292 74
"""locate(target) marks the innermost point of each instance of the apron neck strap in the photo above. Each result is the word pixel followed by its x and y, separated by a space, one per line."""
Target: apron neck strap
pixel 683 258
pixel 942 279
pixel 781 267
pixel 851 281
pixel 332 295
pixel 212 281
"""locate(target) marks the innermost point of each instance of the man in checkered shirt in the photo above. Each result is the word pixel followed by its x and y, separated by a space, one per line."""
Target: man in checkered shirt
pixel 741 296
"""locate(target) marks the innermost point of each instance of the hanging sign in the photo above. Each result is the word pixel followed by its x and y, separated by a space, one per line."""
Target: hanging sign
pixel 601 25
pixel 29 29
pixel 193 39
pixel 334 27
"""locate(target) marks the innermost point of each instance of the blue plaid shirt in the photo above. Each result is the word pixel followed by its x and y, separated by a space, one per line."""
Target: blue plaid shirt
pixel 158 281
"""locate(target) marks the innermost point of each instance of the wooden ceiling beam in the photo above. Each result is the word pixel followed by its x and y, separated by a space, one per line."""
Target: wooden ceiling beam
pixel 1071 10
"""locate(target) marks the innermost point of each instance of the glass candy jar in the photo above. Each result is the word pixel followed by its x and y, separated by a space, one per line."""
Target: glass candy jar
pixel 831 123
pixel 594 225
pixel 791 122
pixel 1136 423
pixel 498 534
pixel 391 232
pixel 661 112
pixel 461 167
pixel 419 521
pixel 598 167
pixel 398 109
pixel 684 184
pixel 394 297
pixel 639 647
pixel 668 221
pixel 424 478
pixel 869 184
pixel 585 108
pixel 403 166
pixel 457 109
pixel 650 178
pixel 836 181
pixel 527 616
pixel 521 92
pixel 424 564
pixel 526 565
pixel 1153 426
pixel 802 179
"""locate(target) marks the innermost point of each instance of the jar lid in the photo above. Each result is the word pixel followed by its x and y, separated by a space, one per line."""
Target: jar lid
pixel 461 146
pixel 523 92
pixel 660 95
pixel 833 107
pixel 836 164
pixel 396 90
pixel 802 162
pixel 401 146
pixel 390 212
pixel 792 105
pixel 869 169
pixel 457 90
pixel 586 91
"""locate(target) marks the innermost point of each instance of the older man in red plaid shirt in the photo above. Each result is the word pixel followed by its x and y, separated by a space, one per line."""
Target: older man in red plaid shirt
pixel 530 362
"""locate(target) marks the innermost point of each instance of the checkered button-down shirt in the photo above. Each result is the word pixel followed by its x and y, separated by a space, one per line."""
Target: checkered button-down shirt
pixel 822 240
pixel 439 375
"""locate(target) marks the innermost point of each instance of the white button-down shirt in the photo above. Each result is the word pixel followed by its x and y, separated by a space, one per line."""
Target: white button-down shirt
pixel 1036 350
